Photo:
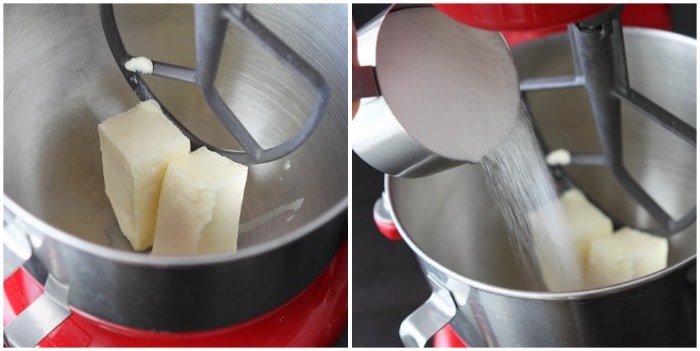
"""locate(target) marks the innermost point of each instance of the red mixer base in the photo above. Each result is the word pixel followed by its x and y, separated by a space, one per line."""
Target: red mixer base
pixel 523 22
pixel 315 317
pixel 447 337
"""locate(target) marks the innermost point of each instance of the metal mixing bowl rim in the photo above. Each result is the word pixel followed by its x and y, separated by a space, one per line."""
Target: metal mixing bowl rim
pixel 627 29
pixel 173 261
pixel 524 294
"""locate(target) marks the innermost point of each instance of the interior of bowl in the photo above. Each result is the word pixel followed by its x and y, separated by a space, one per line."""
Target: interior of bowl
pixel 452 219
pixel 61 81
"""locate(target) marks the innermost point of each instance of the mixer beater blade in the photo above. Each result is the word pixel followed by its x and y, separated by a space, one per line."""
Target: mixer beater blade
pixel 601 69
pixel 211 22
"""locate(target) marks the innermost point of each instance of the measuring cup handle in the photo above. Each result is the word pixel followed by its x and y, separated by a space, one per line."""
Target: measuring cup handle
pixel 434 314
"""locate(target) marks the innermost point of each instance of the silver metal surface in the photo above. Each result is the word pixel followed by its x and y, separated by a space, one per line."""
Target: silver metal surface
pixel 436 119
pixel 210 27
pixel 429 318
pixel 380 211
pixel 450 222
pixel 601 69
pixel 15 245
pixel 60 81
pixel 40 318
pixel 364 82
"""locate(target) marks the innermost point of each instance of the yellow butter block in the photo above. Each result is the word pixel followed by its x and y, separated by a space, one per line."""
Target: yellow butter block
pixel 627 254
pixel 137 147
pixel 200 205
pixel 586 222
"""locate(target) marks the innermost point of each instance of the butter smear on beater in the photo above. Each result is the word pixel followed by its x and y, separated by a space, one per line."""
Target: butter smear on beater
pixel 139 64
pixel 559 157
pixel 137 147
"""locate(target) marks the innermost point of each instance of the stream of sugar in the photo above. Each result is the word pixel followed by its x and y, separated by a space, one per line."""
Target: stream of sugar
pixel 524 192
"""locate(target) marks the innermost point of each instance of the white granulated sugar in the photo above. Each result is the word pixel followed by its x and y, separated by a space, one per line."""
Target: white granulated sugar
pixel 453 88
pixel 525 194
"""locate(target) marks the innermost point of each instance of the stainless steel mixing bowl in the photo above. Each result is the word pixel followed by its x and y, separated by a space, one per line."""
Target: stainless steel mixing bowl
pixel 451 223
pixel 61 81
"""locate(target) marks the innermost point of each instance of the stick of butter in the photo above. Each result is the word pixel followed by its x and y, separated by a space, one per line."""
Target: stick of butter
pixel 137 147
pixel 586 223
pixel 200 205
pixel 628 254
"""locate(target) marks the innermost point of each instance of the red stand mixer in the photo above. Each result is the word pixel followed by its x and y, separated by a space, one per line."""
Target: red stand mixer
pixel 628 108
pixel 71 279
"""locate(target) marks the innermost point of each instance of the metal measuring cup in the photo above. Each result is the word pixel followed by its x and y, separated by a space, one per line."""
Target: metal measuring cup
pixel 434 93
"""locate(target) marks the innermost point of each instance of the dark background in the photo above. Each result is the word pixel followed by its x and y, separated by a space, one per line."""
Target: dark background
pixel 387 284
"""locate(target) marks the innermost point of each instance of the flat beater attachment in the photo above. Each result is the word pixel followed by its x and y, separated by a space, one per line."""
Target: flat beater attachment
pixel 211 22
pixel 601 69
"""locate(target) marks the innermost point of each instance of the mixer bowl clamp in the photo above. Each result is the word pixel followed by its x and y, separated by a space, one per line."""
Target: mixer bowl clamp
pixel 48 311
pixel 434 314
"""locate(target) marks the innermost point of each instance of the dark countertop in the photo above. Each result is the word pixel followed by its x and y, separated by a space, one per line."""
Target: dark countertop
pixel 387 284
